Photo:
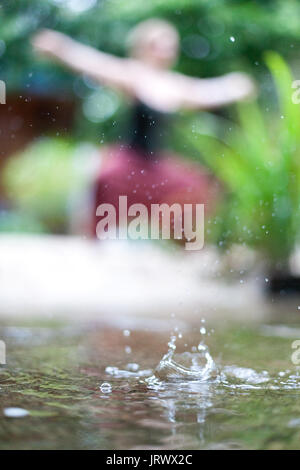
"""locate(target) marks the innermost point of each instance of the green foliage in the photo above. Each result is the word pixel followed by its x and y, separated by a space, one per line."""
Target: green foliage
pixel 40 183
pixel 254 25
pixel 205 29
pixel 258 161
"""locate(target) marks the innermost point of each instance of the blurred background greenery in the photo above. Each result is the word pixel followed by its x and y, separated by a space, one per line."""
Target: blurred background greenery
pixel 217 36
pixel 59 111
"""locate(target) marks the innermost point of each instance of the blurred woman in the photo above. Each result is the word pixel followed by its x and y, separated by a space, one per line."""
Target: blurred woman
pixel 139 168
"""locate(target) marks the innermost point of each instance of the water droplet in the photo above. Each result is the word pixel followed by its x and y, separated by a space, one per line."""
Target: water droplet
pixel 171 343
pixel 132 367
pixel 106 387
pixel 15 412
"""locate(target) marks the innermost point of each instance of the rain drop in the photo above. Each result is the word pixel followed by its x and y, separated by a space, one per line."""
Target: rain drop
pixel 106 387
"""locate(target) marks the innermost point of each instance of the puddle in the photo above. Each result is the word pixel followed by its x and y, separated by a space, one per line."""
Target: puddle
pixel 108 388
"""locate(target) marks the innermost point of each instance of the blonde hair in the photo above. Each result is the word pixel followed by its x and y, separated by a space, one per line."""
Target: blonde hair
pixel 142 34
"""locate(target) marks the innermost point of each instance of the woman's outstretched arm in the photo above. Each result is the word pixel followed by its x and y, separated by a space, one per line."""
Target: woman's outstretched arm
pixel 102 67
pixel 167 91
pixel 220 91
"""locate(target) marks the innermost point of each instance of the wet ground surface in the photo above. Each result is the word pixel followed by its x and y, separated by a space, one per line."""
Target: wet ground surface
pixel 94 386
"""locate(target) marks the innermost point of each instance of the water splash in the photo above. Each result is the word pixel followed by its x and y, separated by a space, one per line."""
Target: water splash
pixel 243 378
pixel 194 366
pixel 132 370
pixel 197 368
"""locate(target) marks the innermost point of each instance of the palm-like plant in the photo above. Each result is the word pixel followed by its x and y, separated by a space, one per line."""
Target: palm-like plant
pixel 259 165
